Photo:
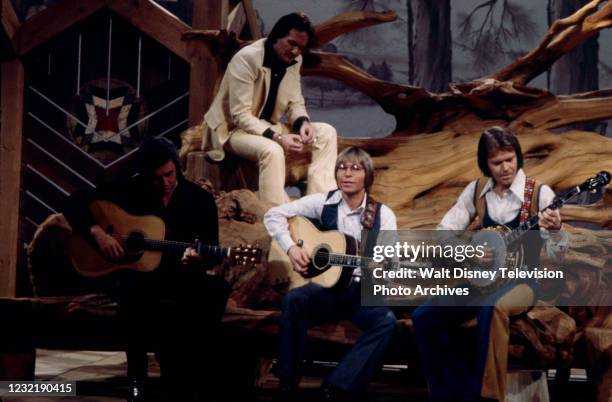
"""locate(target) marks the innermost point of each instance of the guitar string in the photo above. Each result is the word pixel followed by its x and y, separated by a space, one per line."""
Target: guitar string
pixel 557 203
pixel 204 248
pixel 168 243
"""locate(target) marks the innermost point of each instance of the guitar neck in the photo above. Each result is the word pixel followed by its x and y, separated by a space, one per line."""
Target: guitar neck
pixel 347 260
pixel 516 234
pixel 355 261
pixel 179 247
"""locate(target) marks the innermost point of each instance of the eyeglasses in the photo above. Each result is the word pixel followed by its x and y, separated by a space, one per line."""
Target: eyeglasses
pixel 355 168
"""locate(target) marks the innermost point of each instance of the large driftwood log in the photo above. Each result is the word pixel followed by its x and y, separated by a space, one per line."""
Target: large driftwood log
pixel 563 36
pixel 420 177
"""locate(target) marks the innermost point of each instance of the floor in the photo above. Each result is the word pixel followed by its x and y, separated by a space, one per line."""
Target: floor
pixel 100 377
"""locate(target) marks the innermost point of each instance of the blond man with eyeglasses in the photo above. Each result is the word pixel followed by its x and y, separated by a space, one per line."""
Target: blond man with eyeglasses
pixel 341 209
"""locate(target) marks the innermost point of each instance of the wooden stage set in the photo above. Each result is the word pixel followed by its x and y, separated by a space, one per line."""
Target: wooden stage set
pixel 420 169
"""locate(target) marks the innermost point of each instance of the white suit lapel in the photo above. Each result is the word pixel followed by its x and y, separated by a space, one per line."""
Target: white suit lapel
pixel 267 77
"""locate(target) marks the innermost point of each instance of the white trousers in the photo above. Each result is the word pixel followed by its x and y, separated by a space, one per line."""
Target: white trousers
pixel 270 158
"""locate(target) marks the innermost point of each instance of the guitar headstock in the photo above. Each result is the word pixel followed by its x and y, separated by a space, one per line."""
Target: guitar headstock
pixel 599 180
pixel 245 255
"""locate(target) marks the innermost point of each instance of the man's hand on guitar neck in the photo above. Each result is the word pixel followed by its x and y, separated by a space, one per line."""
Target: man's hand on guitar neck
pixel 550 219
pixel 299 259
pixel 108 245
pixel 190 256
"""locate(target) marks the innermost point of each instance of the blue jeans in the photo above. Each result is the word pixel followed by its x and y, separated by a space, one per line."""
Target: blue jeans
pixel 311 305
pixel 452 377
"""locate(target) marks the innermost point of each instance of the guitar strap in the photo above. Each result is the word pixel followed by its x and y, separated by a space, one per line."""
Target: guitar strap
pixel 527 200
pixel 535 198
pixel 370 221
pixel 479 203
pixel 529 207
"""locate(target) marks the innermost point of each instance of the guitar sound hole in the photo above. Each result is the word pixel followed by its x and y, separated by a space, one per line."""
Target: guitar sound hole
pixel 134 243
pixel 321 258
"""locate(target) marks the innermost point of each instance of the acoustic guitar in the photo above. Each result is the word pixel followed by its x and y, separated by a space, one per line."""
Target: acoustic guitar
pixel 333 257
pixel 142 238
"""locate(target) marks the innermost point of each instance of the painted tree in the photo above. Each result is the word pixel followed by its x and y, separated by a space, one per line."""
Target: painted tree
pixel 384 71
pixel 491 32
pixel 324 85
pixel 578 70
pixel 373 69
pixel 432 43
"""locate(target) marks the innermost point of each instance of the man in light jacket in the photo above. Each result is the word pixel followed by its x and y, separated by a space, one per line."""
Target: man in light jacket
pixel 262 85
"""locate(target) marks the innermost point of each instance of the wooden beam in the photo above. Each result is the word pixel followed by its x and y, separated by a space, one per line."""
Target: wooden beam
pixel 209 14
pixel 146 15
pixel 54 20
pixel 251 15
pixel 10 24
pixel 154 20
pixel 204 75
pixel 11 122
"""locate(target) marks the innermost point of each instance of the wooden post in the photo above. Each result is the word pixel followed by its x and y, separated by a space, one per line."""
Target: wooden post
pixel 207 14
pixel 10 28
pixel 11 120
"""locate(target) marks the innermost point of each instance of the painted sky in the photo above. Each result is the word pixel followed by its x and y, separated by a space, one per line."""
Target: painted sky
pixel 389 41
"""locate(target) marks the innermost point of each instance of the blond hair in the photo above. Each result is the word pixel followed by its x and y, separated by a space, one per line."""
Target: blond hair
pixel 357 155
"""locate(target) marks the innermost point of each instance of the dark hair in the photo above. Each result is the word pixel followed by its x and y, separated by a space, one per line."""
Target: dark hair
pixel 155 152
pixel 358 155
pixel 496 139
pixel 297 21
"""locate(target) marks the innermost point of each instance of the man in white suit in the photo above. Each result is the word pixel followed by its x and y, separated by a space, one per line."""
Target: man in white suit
pixel 261 86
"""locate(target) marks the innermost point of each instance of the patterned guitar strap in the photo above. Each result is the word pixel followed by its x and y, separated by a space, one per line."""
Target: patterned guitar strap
pixel 368 239
pixel 528 208
pixel 527 199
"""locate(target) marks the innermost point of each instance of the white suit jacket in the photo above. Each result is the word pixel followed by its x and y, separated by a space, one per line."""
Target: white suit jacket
pixel 242 96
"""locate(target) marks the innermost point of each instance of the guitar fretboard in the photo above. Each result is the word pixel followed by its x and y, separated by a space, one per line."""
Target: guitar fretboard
pixel 179 247
pixel 516 234
pixel 347 260
pixel 355 261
